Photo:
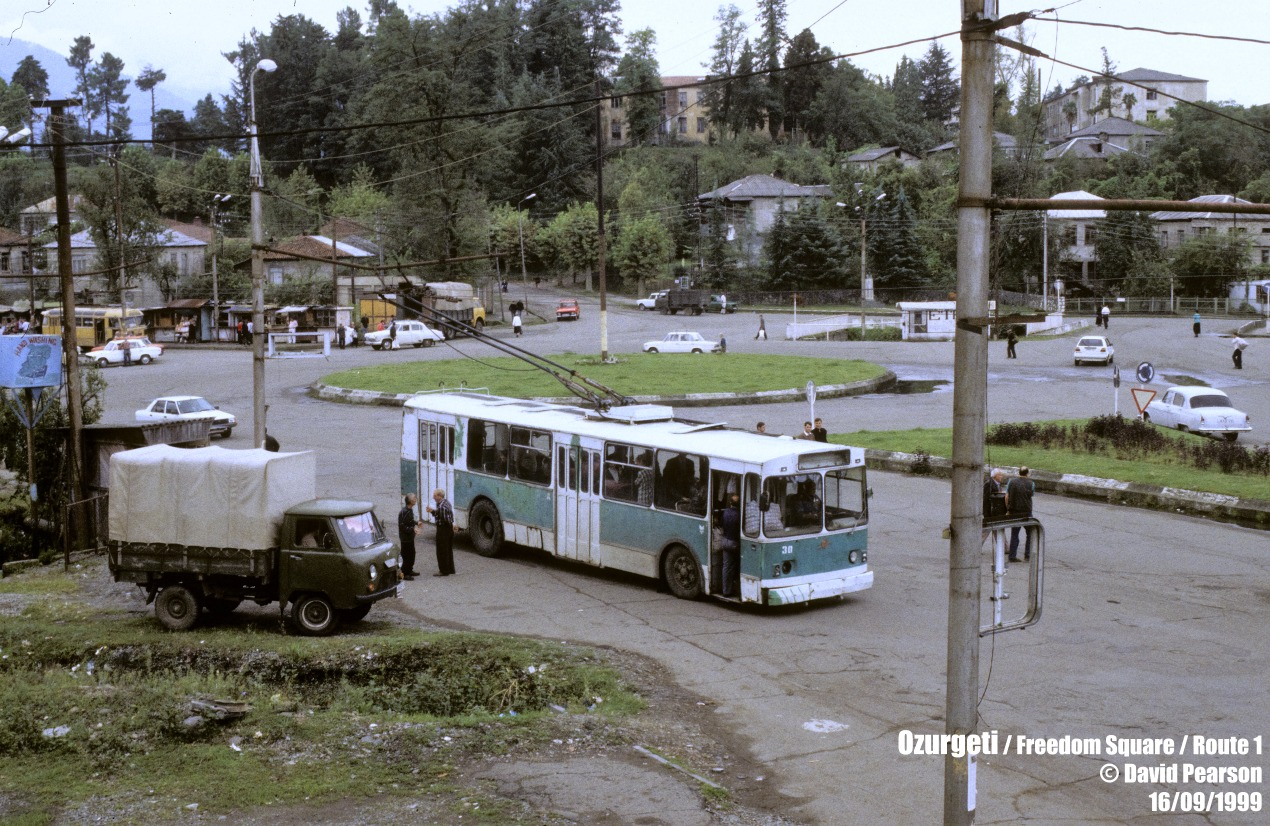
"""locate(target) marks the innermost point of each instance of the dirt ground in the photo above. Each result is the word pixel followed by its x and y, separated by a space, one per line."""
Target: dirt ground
pixel 579 777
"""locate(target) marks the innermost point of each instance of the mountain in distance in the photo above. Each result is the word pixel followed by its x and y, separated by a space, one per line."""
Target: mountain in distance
pixel 62 84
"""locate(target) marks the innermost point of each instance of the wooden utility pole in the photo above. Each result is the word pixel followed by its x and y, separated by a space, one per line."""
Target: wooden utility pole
pixel 599 204
pixel 70 345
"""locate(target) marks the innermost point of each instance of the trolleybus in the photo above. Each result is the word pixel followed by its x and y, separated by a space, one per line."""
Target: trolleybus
pixel 97 325
pixel 637 489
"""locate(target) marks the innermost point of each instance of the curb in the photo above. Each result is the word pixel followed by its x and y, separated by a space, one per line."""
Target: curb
pixel 1251 512
pixel 888 379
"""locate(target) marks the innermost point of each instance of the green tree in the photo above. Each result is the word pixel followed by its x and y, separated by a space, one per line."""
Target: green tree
pixel 360 199
pixel 123 249
pixel 109 96
pixel 572 239
pixel 725 63
pixel 149 78
pixel 1206 264
pixel 1107 92
pixel 81 59
pixel 638 71
pixel 803 251
pixel 642 250
pixel 806 69
pixel 940 91
pixel 771 40
pixel 852 110
pixel 32 77
pixel 896 258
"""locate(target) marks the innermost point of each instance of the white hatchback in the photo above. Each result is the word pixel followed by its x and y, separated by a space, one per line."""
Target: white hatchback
pixel 1096 349
pixel 1200 410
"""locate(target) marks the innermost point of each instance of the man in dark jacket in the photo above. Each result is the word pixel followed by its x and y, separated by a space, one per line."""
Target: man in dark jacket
pixel 407 530
pixel 1018 505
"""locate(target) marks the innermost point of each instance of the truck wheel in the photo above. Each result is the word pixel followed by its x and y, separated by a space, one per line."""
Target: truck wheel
pixel 486 528
pixel 177 608
pixel 683 574
pixel 479 325
pixel 352 615
pixel 696 311
pixel 313 616
pixel 219 607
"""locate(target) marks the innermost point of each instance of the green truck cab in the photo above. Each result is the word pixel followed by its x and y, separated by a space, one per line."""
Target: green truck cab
pixel 204 529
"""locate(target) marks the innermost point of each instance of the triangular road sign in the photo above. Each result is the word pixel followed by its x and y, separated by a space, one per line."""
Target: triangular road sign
pixel 1142 396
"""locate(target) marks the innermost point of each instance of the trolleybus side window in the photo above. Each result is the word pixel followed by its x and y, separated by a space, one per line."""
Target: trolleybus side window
pixel 628 473
pixel 530 455
pixel 751 511
pixel 681 482
pixel 845 502
pixel 487 444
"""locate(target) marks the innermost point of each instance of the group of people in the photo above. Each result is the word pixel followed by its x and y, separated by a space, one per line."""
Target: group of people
pixel 17 327
pixel 409 526
pixel 1102 318
pixel 1006 499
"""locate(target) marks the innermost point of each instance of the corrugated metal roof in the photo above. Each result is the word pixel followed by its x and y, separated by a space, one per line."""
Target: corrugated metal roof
pixel 1078 195
pixel 1211 216
pixel 765 186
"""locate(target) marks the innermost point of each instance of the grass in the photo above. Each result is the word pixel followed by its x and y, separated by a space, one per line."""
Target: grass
pixel 100 710
pixel 634 374
pixel 1164 470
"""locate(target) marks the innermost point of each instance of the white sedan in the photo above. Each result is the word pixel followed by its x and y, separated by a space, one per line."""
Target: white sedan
pixel 682 343
pixel 188 408
pixel 124 351
pixel 413 333
pixel 1200 410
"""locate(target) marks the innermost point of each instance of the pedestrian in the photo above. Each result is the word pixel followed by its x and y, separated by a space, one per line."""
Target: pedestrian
pixel 762 329
pixel 292 326
pixel 1195 323
pixel 517 325
pixel 1011 339
pixel 723 344
pixel 819 431
pixel 239 331
pixel 994 496
pixel 340 334
pixel 251 333
pixel 443 514
pixel 761 427
pixel 271 444
pixel 392 335
pixel 1097 317
pixel 731 546
pixel 1018 505
pixel 1237 354
pixel 806 434
pixel 407 530
pixel 365 330
pixel 1106 317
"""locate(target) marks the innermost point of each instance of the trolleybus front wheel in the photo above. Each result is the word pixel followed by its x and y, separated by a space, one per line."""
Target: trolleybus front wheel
pixel 486 528
pixel 683 574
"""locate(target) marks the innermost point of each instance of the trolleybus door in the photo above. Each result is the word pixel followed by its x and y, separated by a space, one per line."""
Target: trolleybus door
pixel 577 502
pixel 436 459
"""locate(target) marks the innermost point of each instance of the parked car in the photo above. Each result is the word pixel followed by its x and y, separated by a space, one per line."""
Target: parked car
pixel 721 304
pixel 145 340
pixel 188 408
pixel 567 310
pixel 123 351
pixel 1200 410
pixel 649 303
pixel 1096 349
pixel 412 333
pixel 682 343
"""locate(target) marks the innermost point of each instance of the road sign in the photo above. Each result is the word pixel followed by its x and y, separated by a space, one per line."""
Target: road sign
pixel 1146 372
pixel 1142 396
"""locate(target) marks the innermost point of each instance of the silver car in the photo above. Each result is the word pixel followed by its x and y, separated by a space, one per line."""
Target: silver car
pixel 186 408
pixel 1200 410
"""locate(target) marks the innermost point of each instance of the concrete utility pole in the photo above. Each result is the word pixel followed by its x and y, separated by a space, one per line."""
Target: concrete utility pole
pixel 599 204
pixel 970 392
pixel 258 407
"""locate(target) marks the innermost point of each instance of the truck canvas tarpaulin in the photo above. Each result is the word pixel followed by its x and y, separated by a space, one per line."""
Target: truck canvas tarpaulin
pixel 207 496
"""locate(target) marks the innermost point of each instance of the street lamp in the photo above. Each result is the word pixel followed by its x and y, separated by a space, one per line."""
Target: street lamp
pixel 257 269
pixel 520 230
pixel 217 202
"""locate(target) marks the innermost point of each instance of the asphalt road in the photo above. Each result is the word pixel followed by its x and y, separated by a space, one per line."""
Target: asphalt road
pixel 1153 625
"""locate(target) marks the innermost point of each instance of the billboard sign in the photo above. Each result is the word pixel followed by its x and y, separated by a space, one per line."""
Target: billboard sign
pixel 30 361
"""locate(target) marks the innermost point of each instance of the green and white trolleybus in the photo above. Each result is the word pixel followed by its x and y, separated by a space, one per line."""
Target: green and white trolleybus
pixel 636 489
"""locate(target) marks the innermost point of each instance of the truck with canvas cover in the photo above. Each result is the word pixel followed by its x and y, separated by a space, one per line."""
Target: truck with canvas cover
pixel 206 528
pixel 688 300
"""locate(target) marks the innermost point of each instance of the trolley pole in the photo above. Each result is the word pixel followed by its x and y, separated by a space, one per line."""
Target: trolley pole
pixel 970 391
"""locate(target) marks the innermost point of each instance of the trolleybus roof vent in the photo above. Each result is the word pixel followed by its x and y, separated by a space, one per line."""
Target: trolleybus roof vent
pixel 639 413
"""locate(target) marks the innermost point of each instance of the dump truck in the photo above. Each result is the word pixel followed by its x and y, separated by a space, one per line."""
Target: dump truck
pixel 688 300
pixel 204 529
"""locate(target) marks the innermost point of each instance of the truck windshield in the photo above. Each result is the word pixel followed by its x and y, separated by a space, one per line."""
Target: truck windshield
pixel 361 530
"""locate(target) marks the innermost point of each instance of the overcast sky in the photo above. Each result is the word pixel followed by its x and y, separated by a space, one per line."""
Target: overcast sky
pixel 186 38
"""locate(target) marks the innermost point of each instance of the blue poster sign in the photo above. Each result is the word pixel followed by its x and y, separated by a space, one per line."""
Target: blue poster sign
pixel 30 361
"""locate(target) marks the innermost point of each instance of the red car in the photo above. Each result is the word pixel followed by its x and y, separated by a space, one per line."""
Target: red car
pixel 567 310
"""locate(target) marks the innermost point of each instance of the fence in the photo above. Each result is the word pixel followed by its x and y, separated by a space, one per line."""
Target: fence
pixel 1162 305
pixel 85 525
